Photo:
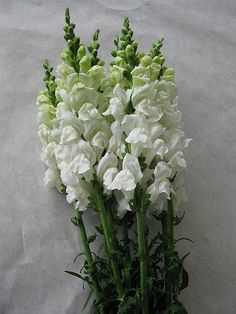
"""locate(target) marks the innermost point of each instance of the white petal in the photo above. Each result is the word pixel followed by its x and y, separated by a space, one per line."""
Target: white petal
pixel 52 179
pixel 48 155
pixel 178 160
pixel 68 135
pixel 164 187
pixel 68 177
pixel 70 119
pixel 100 140
pixel 139 135
pixel 115 109
pixel 71 194
pixel 80 164
pixel 156 129
pixel 109 160
pixel 162 170
pixel 131 163
pixel 123 204
pixel 147 91
pixel 132 121
pixel 109 176
pixel 160 147
pixel 124 180
pixel 88 112
pixel 157 188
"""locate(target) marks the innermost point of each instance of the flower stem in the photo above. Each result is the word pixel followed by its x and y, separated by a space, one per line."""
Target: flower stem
pixel 109 243
pixel 168 234
pixel 88 254
pixel 126 239
pixel 140 216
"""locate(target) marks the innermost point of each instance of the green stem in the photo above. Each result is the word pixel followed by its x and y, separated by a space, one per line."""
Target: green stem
pixel 168 234
pixel 88 254
pixel 126 239
pixel 109 243
pixel 140 216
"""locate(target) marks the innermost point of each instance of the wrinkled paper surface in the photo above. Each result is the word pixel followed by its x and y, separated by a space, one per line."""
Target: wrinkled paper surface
pixel 37 240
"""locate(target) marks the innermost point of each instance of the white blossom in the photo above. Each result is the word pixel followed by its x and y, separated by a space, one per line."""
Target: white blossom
pixel 119 132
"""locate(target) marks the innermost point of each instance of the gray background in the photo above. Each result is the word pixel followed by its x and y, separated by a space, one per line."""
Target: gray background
pixel 37 240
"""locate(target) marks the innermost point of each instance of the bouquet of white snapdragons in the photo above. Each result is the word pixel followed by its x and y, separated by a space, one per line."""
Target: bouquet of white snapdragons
pixel 113 143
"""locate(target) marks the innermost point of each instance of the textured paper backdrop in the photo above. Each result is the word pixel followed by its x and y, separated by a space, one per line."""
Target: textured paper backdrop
pixel 37 240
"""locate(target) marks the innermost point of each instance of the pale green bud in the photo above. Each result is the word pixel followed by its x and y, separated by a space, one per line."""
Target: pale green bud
pixel 169 71
pixel 85 64
pixel 146 60
pixel 81 52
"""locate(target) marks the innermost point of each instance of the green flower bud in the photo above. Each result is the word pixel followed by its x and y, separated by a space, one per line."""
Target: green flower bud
pixel 70 43
pixel 123 44
pixel 81 52
pixel 121 53
pixel 92 59
pixel 85 64
pixel 118 60
pixel 101 63
pixel 134 45
pixel 146 60
pixel 52 86
pixel 140 55
pixel 114 53
pixel 129 50
pixel 169 71
pixel 159 59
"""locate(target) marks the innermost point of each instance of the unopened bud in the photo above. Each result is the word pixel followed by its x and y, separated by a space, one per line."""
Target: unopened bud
pixel 81 52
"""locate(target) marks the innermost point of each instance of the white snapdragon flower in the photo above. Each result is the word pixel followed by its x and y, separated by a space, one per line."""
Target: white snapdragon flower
pixel 89 112
pixel 139 140
pixel 123 203
pixel 79 195
pixel 63 70
pixel 148 91
pixel 44 133
pixel 131 163
pixel 78 95
pixel 48 155
pixel 125 182
pixel 46 114
pixel 117 140
pixel 94 77
pixel 68 135
pixel 70 119
pixel 109 160
pixel 118 103
pixel 161 183
pixel 133 121
pixel 52 179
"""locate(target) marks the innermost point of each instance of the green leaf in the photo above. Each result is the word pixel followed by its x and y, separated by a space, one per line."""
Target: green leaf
pixel 87 300
pixel 77 256
pixel 185 279
pixel 178 220
pixel 181 239
pixel 74 274
pixel 184 257
pixel 75 221
pixel 92 238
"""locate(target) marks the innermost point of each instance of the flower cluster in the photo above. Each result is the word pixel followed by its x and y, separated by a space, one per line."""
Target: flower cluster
pixel 113 141
pixel 99 127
